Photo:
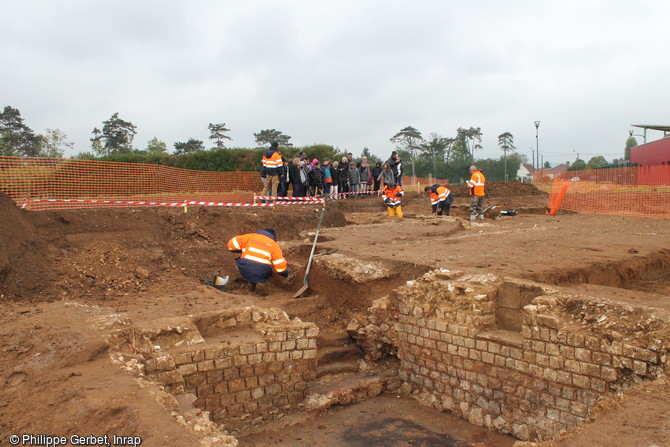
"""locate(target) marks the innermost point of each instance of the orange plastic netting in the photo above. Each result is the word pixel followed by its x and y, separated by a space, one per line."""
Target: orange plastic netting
pixel 27 179
pixel 642 191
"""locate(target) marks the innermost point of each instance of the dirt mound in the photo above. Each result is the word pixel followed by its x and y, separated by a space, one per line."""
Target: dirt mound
pixel 501 189
pixel 15 231
pixel 109 252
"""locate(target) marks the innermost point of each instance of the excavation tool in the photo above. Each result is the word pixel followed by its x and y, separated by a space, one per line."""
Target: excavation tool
pixel 218 282
pixel 311 255
pixel 511 212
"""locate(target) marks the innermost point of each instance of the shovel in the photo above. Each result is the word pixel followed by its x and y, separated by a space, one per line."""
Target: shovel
pixel 311 255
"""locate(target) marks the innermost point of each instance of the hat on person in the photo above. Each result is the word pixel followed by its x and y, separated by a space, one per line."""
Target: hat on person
pixel 270 232
pixel 274 144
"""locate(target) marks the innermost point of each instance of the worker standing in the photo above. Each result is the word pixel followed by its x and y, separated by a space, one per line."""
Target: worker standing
pixel 391 195
pixel 259 254
pixel 476 185
pixel 440 199
pixel 273 166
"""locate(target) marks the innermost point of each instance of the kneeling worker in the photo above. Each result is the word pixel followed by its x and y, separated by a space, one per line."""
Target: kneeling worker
pixel 440 199
pixel 392 194
pixel 259 254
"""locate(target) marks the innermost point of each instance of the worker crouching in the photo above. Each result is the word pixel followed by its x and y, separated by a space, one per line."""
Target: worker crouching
pixel 259 254
pixel 440 199
pixel 391 195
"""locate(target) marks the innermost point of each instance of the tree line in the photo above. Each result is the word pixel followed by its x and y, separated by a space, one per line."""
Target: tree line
pixel 435 156
pixel 450 157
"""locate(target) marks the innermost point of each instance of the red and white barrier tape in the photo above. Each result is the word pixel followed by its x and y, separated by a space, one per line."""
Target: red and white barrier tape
pixel 318 199
pixel 169 204
pixel 306 199
pixel 359 193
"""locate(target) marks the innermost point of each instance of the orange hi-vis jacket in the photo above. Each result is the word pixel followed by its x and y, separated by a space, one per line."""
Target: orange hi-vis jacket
pixel 259 248
pixel 273 164
pixel 392 196
pixel 439 195
pixel 476 184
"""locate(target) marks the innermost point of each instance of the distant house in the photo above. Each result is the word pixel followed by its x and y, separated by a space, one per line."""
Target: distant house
pixel 525 172
pixel 555 171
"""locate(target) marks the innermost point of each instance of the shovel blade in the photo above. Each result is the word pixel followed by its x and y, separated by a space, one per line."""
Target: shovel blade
pixel 301 291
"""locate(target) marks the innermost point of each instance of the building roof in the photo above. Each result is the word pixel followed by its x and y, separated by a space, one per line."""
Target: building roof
pixel 652 127
pixel 561 167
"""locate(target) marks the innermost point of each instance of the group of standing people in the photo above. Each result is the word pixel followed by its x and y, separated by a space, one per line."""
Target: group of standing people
pixel 348 176
pixel 312 178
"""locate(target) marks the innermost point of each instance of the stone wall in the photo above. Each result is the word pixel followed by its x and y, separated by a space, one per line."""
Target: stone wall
pixel 570 353
pixel 251 363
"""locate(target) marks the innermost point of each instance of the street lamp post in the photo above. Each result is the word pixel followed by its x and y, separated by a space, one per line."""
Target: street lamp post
pixel 537 142
pixel 630 132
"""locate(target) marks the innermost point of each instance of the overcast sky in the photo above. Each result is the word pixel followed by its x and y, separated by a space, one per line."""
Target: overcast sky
pixel 346 73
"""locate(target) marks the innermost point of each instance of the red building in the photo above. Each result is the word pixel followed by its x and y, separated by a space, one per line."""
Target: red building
pixel 653 153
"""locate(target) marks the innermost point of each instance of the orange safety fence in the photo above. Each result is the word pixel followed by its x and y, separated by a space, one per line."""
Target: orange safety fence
pixel 642 191
pixel 27 179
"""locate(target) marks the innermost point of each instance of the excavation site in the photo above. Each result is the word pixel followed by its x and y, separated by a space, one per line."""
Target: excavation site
pixel 426 330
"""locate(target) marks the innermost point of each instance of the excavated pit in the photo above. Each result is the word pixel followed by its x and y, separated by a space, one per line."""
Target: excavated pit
pixel 401 319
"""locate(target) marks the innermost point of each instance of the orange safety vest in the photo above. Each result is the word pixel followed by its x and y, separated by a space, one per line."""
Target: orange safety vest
pixel 393 195
pixel 259 248
pixel 439 196
pixel 273 164
pixel 476 184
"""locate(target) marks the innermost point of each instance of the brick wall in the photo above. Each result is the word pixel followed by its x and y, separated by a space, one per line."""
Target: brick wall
pixel 256 369
pixel 533 383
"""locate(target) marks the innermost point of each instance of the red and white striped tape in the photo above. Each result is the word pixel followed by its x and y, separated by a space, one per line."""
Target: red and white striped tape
pixel 359 193
pixel 169 204
pixel 305 199
pixel 318 199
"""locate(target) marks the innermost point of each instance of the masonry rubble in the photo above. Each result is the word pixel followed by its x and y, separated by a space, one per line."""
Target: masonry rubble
pixel 514 356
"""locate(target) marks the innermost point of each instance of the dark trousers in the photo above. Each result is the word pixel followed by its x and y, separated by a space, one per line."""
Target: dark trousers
pixel 298 190
pixel 254 272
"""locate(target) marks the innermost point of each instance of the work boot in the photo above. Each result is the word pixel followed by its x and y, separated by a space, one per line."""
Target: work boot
pixel 472 217
pixel 252 286
pixel 398 211
pixel 481 216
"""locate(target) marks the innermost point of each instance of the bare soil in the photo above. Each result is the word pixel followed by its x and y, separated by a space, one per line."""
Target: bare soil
pixel 66 275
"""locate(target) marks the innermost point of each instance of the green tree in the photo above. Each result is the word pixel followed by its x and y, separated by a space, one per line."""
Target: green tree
pixel 435 149
pixel 218 133
pixel 461 160
pixel 372 159
pixel 470 136
pixel 15 137
pixel 506 143
pixel 116 136
pixel 54 143
pixel 597 163
pixel 192 145
pixel 630 143
pixel 409 139
pixel 156 146
pixel 547 165
pixel 578 165
pixel 267 136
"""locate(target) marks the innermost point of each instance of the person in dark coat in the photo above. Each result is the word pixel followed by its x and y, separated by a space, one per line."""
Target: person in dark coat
pixel 375 175
pixel 294 177
pixel 396 166
pixel 316 179
pixel 343 175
